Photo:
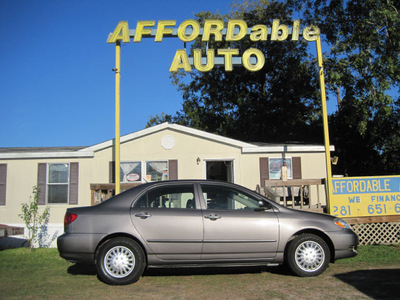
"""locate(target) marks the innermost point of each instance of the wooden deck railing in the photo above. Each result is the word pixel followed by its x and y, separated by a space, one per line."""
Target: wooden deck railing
pixel 296 192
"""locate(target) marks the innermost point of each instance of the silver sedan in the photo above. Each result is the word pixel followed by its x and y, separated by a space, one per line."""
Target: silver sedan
pixel 199 223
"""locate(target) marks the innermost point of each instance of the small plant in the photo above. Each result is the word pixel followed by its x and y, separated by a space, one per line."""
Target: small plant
pixel 35 222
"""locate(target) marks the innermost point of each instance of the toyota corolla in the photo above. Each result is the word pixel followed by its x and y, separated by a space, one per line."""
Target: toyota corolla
pixel 199 223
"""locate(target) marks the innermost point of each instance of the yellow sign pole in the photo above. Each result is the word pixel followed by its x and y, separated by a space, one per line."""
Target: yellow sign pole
pixel 325 122
pixel 117 116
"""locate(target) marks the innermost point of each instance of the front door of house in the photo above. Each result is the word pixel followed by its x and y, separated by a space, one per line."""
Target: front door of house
pixel 220 170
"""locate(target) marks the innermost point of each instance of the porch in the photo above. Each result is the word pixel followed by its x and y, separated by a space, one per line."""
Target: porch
pixel 103 191
pixel 303 194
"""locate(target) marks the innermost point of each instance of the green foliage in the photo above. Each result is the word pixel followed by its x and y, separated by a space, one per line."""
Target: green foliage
pixel 158 119
pixel 363 63
pixel 35 222
pixel 279 103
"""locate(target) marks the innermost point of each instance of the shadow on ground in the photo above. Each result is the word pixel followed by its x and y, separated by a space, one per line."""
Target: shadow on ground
pixel 186 271
pixel 83 269
pixel 377 284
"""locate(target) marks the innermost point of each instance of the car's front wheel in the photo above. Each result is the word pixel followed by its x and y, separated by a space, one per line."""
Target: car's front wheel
pixel 120 261
pixel 308 255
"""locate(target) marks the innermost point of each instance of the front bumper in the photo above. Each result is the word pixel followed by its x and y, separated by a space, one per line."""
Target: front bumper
pixel 345 243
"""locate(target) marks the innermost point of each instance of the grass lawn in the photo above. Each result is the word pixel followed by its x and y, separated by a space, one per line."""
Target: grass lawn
pixel 42 274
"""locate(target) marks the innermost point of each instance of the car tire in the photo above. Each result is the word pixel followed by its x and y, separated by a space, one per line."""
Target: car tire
pixel 308 255
pixel 120 261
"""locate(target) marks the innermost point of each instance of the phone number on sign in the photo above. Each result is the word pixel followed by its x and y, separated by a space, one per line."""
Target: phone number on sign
pixel 372 209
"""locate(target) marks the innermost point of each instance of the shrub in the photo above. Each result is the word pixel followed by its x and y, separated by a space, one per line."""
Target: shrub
pixel 35 222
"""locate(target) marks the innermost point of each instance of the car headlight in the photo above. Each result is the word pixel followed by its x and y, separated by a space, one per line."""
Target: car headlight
pixel 341 223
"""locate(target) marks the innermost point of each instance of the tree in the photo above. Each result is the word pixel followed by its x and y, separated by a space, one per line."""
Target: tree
pixel 363 64
pixel 35 222
pixel 279 103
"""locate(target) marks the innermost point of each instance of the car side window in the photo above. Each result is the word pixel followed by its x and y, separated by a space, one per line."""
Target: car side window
pixel 224 198
pixel 168 197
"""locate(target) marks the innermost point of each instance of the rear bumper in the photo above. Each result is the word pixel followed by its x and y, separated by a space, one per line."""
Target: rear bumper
pixel 78 247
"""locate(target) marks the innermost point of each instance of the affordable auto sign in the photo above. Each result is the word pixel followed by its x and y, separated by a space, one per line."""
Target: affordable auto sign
pixel 365 196
pixel 234 30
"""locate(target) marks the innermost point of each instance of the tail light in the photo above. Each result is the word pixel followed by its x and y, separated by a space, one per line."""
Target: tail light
pixel 69 218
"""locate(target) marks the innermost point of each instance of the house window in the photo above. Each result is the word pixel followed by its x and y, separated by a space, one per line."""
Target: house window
pixel 275 168
pixel 156 170
pixel 131 171
pixel 138 171
pixel 57 183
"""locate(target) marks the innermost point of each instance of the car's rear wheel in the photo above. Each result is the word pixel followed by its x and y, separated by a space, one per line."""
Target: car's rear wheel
pixel 308 255
pixel 120 261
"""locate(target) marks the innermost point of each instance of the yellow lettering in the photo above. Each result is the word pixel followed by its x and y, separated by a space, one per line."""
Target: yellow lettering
pixel 181 61
pixel 183 27
pixel 213 27
pixel 228 57
pixel 276 28
pixel 369 187
pixel 259 33
pixel 121 32
pixel 230 32
pixel 296 30
pixel 311 33
pixel 161 30
pixel 260 59
pixel 387 183
pixel 375 184
pixel 334 187
pixel 363 185
pixel 342 186
pixel 197 60
pixel 141 30
pixel 349 187
pixel 356 186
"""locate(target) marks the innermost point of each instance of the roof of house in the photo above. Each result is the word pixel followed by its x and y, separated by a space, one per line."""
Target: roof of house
pixel 40 149
pixel 82 152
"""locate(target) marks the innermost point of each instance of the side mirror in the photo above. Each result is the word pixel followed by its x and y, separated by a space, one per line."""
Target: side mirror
pixel 263 205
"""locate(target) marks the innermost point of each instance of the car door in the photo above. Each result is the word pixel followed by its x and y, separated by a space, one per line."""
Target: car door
pixel 169 221
pixel 234 226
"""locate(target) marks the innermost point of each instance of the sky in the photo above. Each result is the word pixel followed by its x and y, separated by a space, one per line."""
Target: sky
pixel 57 87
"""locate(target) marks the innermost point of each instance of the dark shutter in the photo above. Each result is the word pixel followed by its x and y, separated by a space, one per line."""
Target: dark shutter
pixel 264 170
pixel 3 183
pixel 42 173
pixel 73 182
pixel 296 161
pixel 111 172
pixel 173 169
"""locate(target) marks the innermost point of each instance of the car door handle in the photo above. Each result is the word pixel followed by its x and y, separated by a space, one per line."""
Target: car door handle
pixel 213 217
pixel 143 215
